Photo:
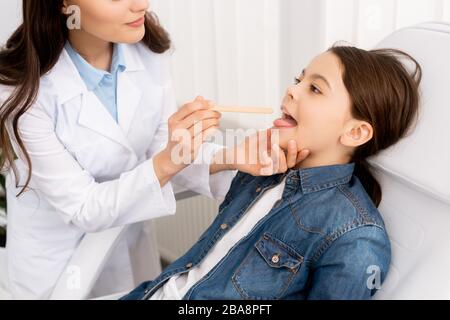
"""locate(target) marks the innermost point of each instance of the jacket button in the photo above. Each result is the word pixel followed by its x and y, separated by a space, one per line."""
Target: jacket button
pixel 275 258
pixel 224 226
pixel 258 190
pixel 189 265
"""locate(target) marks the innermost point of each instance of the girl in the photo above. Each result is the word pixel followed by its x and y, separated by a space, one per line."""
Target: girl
pixel 315 232
pixel 86 119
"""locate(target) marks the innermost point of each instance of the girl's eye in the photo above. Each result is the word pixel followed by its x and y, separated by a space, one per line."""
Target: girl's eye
pixel 314 89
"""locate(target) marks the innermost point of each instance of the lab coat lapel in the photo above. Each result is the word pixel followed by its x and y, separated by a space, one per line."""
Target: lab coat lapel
pixel 128 100
pixel 95 116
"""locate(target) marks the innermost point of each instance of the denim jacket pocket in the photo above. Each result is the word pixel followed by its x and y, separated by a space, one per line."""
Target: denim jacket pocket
pixel 268 270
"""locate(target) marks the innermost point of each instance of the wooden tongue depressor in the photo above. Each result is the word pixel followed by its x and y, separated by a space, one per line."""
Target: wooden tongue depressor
pixel 243 109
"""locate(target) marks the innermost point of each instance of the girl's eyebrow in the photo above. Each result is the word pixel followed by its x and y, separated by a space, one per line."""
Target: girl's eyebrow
pixel 318 77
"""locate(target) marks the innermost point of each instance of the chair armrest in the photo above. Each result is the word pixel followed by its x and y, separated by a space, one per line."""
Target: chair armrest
pixel 182 193
pixel 4 285
pixel 85 266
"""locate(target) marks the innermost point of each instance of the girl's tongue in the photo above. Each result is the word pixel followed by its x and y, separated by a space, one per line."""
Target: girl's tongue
pixel 285 123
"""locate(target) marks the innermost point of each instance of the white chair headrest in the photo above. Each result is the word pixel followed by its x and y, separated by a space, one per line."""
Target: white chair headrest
pixel 423 158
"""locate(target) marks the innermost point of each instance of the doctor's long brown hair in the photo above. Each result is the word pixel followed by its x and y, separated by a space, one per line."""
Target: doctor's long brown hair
pixel 383 93
pixel 32 51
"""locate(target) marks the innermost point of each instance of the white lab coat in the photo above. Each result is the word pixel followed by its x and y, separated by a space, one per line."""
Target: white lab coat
pixel 90 173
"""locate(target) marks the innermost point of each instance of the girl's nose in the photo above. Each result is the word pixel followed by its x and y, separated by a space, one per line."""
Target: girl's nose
pixel 139 5
pixel 291 93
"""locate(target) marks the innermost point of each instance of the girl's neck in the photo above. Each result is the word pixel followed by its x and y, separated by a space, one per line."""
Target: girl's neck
pixel 323 159
pixel 96 52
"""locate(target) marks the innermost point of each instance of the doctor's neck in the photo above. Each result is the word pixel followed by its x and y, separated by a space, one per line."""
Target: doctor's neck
pixel 95 51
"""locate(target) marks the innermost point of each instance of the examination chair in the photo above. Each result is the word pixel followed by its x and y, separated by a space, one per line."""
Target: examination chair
pixel 413 174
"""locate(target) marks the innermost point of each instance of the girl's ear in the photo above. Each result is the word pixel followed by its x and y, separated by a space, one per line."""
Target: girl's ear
pixel 64 7
pixel 357 133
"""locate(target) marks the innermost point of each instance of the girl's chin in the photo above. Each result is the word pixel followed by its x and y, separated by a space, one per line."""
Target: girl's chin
pixel 283 135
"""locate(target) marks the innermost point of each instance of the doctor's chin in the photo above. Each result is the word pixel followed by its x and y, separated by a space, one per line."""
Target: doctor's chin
pixel 238 154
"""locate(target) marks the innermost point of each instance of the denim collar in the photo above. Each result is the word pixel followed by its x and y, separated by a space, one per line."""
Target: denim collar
pixel 93 76
pixel 319 178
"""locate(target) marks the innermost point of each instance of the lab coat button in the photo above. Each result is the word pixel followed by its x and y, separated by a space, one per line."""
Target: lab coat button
pixel 224 226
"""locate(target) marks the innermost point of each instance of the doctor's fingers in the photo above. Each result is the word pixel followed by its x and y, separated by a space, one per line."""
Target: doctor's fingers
pixel 182 135
pixel 189 108
pixel 198 140
pixel 292 154
pixel 198 118
pixel 302 155
pixel 192 146
pixel 266 165
pixel 273 164
pixel 195 131
pixel 279 159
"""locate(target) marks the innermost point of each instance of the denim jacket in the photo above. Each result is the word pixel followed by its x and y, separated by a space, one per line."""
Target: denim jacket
pixel 324 239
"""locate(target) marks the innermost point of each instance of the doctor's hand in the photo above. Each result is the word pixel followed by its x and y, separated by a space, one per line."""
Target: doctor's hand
pixel 257 156
pixel 188 130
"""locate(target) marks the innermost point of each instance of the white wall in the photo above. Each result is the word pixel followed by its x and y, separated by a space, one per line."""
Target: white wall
pixel 366 22
pixel 10 18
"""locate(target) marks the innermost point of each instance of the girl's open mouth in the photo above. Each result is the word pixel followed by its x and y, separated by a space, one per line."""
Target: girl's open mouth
pixel 287 121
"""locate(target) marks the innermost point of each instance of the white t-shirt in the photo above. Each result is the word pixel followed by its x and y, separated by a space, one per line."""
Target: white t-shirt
pixel 177 287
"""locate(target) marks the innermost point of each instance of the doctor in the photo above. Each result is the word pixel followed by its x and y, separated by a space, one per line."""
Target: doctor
pixel 86 121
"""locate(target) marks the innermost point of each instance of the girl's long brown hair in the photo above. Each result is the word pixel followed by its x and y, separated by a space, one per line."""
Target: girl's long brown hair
pixel 31 52
pixel 383 93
